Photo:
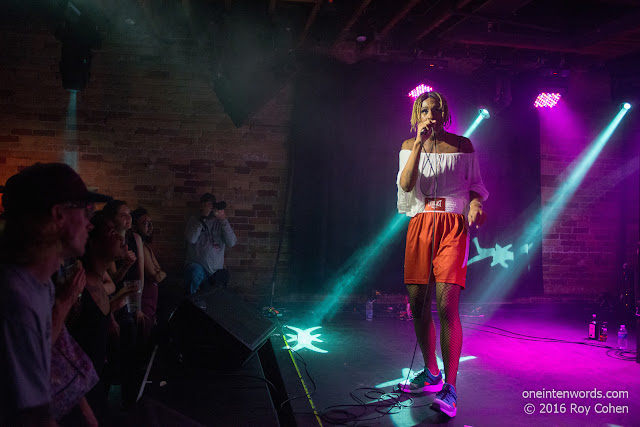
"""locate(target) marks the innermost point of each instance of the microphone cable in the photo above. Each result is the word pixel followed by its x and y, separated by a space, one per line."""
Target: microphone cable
pixel 433 194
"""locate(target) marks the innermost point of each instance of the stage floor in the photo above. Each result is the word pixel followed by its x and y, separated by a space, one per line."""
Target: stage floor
pixel 502 366
pixel 350 368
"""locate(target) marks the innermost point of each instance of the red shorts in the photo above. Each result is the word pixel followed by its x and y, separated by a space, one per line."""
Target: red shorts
pixel 451 249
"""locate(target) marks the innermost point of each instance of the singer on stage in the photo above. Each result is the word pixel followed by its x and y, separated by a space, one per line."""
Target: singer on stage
pixel 440 188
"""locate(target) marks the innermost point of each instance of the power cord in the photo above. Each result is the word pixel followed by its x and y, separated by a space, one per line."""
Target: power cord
pixel 301 359
pixel 383 403
pixel 617 353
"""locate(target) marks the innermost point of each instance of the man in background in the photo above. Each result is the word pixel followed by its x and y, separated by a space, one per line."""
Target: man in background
pixel 207 236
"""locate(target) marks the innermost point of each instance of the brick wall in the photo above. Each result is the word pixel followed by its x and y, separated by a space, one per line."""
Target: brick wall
pixel 150 130
pixel 583 251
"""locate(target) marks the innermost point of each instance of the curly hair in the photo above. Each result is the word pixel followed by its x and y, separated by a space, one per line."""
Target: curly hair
pixel 417 106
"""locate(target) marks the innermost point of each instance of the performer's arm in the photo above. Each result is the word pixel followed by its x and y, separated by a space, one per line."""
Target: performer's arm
pixel 476 214
pixel 409 175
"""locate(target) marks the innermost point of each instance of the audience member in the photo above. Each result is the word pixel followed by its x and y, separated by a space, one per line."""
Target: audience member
pixel 46 219
pixel 130 270
pixel 154 274
pixel 90 323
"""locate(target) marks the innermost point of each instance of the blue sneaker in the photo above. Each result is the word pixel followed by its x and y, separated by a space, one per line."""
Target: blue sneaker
pixel 446 400
pixel 423 381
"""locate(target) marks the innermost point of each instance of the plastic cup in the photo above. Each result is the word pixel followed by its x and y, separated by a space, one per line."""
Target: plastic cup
pixel 133 299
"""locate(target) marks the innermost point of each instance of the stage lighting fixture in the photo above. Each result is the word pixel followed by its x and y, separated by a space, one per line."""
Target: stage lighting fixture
pixel 626 106
pixel 75 64
pixel 546 218
pixel 483 113
pixel 72 13
pixel 547 100
pixel 419 90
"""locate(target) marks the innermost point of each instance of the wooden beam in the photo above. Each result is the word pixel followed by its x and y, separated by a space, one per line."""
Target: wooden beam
pixel 399 16
pixel 518 41
pixel 437 21
pixel 353 19
pixel 310 21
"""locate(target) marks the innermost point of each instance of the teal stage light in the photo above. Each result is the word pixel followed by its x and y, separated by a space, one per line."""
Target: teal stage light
pixel 626 106
pixel 498 286
pixel 71 155
pixel 483 113
pixel 356 268
pixel 578 170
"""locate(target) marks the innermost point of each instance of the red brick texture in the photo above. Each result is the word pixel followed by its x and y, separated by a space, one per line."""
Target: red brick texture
pixel 152 133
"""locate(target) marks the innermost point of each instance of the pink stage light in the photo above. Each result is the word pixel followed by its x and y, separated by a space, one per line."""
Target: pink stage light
pixel 547 100
pixel 419 90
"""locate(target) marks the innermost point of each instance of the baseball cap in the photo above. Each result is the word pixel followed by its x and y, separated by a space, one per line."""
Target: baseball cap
pixel 38 187
pixel 208 197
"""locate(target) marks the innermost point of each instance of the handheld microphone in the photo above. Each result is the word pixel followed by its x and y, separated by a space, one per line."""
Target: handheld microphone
pixel 424 129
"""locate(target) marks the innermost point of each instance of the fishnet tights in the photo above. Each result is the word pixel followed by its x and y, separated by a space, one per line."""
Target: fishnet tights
pixel 447 300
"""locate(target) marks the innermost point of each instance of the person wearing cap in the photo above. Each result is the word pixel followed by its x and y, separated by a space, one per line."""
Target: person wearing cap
pixel 207 237
pixel 46 219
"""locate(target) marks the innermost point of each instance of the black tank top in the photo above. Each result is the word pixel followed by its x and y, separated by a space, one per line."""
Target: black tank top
pixel 132 273
pixel 90 330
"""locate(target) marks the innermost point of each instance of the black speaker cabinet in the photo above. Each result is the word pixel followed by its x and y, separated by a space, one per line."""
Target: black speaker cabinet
pixel 218 329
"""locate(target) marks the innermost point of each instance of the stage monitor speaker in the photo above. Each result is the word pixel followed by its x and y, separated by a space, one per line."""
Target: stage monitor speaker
pixel 218 329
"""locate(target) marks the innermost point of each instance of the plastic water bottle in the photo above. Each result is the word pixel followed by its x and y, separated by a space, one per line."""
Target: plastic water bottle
pixel 369 310
pixel 622 338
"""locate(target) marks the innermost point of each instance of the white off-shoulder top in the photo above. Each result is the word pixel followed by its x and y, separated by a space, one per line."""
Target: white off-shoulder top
pixel 441 175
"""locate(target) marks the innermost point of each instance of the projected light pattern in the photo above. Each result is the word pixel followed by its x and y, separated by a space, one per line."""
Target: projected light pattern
pixel 305 339
pixel 547 100
pixel 419 90
pixel 499 254
pixel 407 373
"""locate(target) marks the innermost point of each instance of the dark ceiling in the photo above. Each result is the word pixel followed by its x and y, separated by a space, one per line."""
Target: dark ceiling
pixel 464 35
pixel 471 33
